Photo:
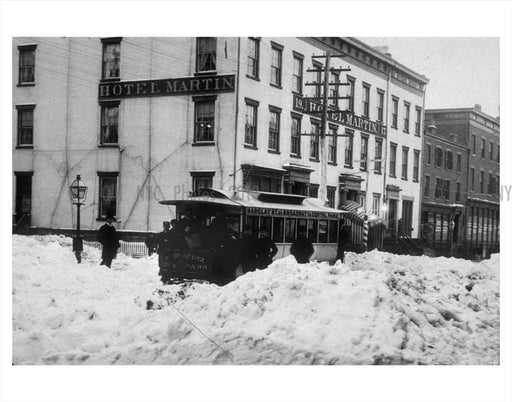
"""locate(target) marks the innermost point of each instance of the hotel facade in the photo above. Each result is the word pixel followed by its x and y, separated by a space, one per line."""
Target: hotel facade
pixel 147 119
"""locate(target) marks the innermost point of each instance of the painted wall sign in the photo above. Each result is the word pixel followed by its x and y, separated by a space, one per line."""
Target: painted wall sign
pixel 167 87
pixel 291 213
pixel 308 106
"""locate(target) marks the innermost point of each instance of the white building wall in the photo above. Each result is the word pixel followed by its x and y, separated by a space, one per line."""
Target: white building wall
pixel 156 133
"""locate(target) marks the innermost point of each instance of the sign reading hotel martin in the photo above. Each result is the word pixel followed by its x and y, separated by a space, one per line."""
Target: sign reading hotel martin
pixel 308 106
pixel 167 87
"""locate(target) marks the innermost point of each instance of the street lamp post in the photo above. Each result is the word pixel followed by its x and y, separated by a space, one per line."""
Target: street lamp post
pixel 78 192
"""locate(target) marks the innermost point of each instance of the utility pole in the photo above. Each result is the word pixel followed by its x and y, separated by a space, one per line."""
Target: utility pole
pixel 324 99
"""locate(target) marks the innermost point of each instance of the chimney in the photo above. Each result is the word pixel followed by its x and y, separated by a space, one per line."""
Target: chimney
pixel 478 107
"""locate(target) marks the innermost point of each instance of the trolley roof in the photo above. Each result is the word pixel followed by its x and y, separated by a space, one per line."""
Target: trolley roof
pixel 254 202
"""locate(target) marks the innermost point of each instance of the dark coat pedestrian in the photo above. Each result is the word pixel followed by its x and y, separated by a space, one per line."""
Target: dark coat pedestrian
pixel 265 250
pixel 302 249
pixel 108 238
pixel 247 246
pixel 343 241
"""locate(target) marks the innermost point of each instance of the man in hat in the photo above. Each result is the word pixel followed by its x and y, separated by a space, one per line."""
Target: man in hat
pixel 108 238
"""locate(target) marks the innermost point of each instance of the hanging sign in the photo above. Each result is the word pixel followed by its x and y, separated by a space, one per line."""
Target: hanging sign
pixel 311 107
pixel 167 87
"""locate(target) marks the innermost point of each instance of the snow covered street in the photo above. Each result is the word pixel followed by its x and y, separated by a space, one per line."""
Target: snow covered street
pixel 378 308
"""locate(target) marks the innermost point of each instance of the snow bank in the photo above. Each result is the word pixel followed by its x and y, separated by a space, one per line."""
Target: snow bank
pixel 377 308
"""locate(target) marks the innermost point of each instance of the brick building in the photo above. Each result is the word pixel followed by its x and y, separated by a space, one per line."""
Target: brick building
pixel 461 180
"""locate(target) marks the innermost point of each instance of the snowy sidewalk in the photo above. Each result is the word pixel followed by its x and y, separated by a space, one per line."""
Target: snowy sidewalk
pixel 378 308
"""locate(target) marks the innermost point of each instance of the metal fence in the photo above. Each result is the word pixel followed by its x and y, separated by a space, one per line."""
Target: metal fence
pixel 134 249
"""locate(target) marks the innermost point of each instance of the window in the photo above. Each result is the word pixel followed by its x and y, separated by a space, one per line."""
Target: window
pixel 482 148
pixel 392 159
pixel 446 189
pixel 276 63
pixel 334 89
pixel 274 128
pixel 317 89
pixel 407 112
pixel 376 204
pixel 417 125
pixel 331 195
pixel 482 178
pixel 25 125
pixel 298 61
pixel 206 54
pixel 491 151
pixel 473 144
pixel 498 155
pixel 111 58
pixel 295 136
pixel 349 148
pixel 109 123
pixel 416 166
pixel 332 145
pixel 457 192
pixel 438 156
pixel 314 144
pixel 426 188
pixel 363 163
pixel 378 156
pixel 361 199
pixel 439 188
pixel 27 64
pixel 459 162
pixel 448 160
pixel 204 120
pixel 202 180
pixel 428 154
pixel 351 93
pixel 380 105
pixel 394 113
pixel 490 184
pixel 366 100
pixel 253 57
pixel 472 178
pixel 405 162
pixel 251 120
pixel 107 194
pixel 313 190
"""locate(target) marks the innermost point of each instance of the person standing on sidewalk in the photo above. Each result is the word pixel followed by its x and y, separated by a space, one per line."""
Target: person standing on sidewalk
pixel 108 238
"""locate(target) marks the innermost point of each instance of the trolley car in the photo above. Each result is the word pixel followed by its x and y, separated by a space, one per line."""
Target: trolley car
pixel 283 217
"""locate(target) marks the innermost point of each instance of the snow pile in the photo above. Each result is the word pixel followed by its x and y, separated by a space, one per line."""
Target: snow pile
pixel 377 308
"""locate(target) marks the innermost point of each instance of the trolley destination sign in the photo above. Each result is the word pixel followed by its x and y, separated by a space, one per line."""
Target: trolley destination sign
pixel 311 107
pixel 167 87
pixel 291 213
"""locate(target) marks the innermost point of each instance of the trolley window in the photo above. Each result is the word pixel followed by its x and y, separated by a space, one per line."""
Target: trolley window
pixel 313 230
pixel 252 222
pixel 277 231
pixel 265 225
pixel 289 231
pixel 333 231
pixel 302 228
pixel 322 231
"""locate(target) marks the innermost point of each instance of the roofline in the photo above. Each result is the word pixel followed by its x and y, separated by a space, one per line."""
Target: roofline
pixel 388 59
pixel 463 109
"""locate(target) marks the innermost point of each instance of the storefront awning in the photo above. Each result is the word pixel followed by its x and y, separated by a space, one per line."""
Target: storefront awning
pixel 357 212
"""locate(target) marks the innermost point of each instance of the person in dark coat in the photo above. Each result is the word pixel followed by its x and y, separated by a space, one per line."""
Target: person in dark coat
pixel 247 249
pixel 265 250
pixel 302 249
pixel 343 240
pixel 108 238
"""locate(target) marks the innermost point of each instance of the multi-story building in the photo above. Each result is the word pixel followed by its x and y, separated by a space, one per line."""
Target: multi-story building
pixel 146 119
pixel 461 179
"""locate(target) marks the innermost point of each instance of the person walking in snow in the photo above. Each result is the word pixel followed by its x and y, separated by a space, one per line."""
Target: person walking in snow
pixel 302 249
pixel 265 250
pixel 108 238
pixel 343 240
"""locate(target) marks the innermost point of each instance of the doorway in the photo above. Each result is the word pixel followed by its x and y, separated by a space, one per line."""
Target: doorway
pixel 23 206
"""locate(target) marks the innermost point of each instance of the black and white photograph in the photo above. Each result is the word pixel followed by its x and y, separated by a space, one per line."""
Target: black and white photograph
pixel 238 199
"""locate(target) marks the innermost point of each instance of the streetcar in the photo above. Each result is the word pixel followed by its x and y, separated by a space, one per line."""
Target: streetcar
pixel 282 217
